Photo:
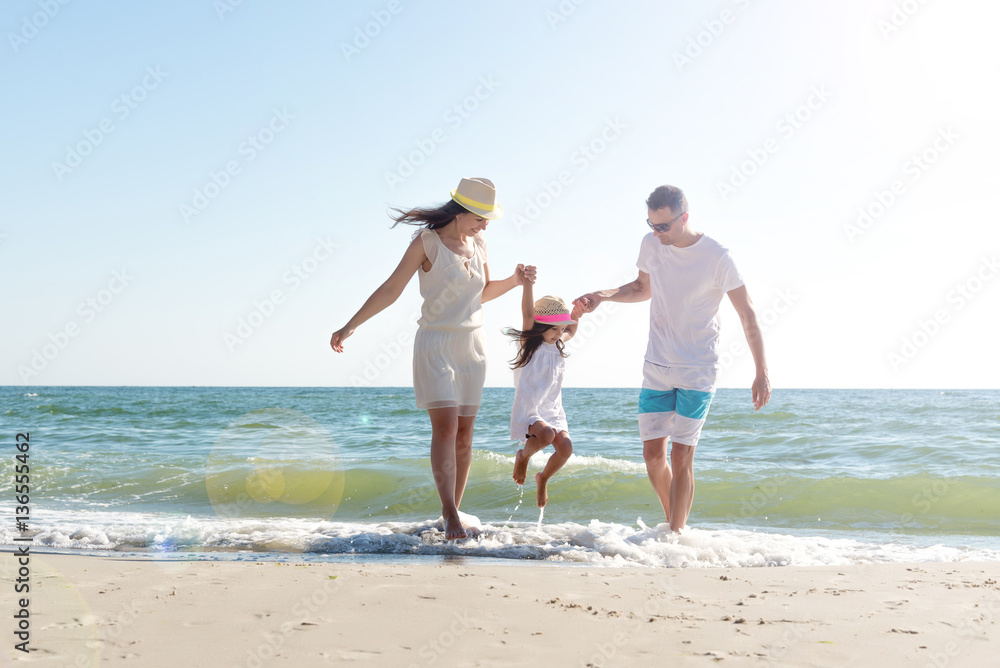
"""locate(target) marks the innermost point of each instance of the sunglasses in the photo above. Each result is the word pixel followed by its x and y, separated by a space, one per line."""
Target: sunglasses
pixel 664 227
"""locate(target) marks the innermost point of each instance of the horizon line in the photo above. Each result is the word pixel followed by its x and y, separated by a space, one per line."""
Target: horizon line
pixel 508 387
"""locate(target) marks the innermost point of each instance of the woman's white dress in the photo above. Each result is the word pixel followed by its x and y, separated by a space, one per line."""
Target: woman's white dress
pixel 449 352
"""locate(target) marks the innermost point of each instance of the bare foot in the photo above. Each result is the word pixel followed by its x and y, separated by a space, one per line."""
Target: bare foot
pixel 453 529
pixel 542 496
pixel 520 467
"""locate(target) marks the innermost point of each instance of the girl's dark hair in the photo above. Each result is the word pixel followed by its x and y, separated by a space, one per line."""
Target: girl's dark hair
pixel 530 340
pixel 431 218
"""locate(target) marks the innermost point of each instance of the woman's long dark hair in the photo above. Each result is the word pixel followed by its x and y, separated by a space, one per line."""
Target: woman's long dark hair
pixel 530 340
pixel 431 218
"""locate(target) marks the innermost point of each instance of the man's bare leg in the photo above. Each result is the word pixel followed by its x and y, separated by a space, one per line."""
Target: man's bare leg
pixel 541 435
pixel 654 452
pixel 682 487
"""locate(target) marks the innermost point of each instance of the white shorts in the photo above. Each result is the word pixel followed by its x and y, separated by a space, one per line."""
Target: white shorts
pixel 674 402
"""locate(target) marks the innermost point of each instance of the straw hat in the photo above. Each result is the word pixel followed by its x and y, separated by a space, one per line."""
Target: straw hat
pixel 479 196
pixel 551 310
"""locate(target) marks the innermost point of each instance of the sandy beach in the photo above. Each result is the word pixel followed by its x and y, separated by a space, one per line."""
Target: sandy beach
pixel 88 611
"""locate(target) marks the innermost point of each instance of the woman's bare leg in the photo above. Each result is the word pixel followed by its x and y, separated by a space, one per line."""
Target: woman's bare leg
pixel 463 454
pixel 444 430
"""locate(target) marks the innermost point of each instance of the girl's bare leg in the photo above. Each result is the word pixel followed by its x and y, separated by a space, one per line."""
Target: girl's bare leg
pixel 563 450
pixel 463 455
pixel 541 435
pixel 444 430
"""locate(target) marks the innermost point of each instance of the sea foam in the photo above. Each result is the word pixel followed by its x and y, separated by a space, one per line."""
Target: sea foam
pixel 597 543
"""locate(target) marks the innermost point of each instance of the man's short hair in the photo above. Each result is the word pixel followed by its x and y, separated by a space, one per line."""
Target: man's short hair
pixel 668 196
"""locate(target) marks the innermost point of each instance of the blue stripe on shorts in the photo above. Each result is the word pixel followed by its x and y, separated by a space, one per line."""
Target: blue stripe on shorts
pixel 687 403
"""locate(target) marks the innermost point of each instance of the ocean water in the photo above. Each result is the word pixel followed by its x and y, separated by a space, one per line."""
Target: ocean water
pixel 817 477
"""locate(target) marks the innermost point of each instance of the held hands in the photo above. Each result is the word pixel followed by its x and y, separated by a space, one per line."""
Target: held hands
pixel 586 303
pixel 525 273
pixel 761 389
pixel 337 340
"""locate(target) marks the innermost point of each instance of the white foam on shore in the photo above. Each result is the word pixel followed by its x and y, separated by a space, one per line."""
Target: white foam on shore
pixel 575 461
pixel 597 543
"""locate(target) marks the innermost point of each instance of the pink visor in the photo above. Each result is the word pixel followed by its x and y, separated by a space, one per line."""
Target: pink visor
pixel 557 318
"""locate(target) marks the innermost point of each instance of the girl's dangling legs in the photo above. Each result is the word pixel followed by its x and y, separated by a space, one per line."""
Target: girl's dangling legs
pixel 444 465
pixel 540 435
pixel 563 447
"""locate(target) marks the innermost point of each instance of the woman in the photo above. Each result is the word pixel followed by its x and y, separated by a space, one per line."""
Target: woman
pixel 449 355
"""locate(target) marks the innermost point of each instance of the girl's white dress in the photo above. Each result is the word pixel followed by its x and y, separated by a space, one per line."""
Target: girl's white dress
pixel 449 351
pixel 538 392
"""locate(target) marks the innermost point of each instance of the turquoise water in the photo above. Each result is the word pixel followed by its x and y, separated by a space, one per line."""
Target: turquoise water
pixel 818 476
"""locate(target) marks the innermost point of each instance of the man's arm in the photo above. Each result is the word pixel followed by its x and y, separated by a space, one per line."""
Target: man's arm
pixel 636 291
pixel 755 340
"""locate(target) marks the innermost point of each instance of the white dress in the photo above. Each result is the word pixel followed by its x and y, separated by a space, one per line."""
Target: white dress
pixel 538 392
pixel 449 351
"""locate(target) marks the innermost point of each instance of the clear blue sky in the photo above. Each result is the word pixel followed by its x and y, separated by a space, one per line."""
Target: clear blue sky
pixel 119 114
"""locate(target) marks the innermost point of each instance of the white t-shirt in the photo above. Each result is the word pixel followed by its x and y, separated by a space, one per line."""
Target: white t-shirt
pixel 687 286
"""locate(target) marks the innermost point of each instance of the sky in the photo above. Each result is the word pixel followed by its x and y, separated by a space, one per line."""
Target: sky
pixel 196 192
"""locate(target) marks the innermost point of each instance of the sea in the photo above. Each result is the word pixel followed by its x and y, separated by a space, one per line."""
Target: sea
pixel 817 477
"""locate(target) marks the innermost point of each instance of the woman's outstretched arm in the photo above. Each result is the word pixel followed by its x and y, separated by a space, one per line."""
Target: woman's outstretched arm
pixel 385 294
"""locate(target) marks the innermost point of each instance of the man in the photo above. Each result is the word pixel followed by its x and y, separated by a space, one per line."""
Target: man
pixel 685 273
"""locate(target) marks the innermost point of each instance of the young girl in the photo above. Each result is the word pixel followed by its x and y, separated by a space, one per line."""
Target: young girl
pixel 537 418
pixel 449 351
